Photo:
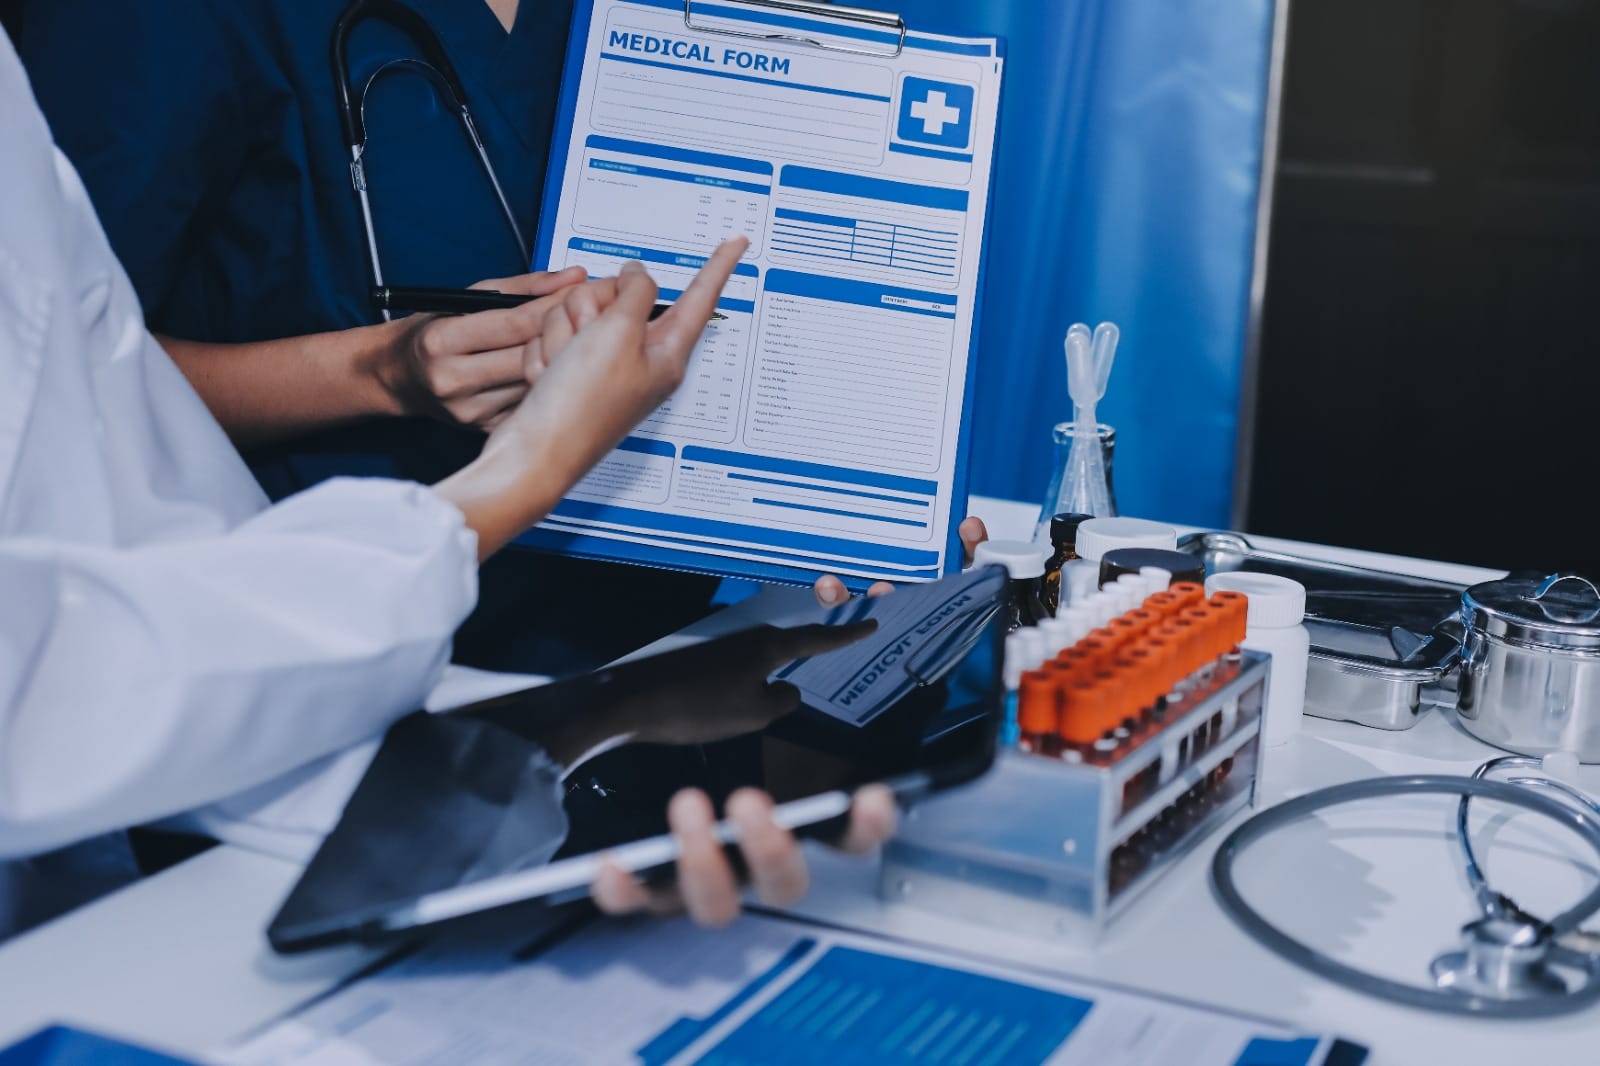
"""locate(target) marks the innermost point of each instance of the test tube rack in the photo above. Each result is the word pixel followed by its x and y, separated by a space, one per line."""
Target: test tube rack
pixel 1057 845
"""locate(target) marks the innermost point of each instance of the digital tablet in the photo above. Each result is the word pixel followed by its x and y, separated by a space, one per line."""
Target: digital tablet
pixel 514 800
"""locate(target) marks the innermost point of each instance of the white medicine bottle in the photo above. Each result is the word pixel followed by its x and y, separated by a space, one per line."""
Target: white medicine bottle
pixel 1275 611
pixel 1081 577
pixel 1024 565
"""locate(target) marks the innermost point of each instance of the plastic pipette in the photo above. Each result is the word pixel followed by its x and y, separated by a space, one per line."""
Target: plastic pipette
pixel 1085 486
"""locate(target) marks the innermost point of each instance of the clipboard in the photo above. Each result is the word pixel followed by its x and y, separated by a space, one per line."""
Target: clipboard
pixel 835 31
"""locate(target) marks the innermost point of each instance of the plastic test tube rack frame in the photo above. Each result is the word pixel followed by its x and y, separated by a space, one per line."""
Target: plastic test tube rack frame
pixel 1032 847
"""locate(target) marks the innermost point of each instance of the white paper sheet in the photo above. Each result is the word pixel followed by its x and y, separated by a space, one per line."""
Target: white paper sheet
pixel 766 990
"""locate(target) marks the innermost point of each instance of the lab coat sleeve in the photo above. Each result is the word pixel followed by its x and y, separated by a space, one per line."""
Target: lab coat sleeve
pixel 145 99
pixel 136 683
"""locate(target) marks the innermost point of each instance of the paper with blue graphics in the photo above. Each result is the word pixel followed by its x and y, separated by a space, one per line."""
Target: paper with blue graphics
pixel 766 991
pixel 820 425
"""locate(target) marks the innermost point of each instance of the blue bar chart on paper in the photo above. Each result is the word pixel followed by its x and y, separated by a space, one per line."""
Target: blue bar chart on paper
pixel 856 1007
pixel 821 424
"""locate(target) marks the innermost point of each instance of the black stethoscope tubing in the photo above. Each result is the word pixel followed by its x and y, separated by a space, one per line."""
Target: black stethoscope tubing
pixel 435 68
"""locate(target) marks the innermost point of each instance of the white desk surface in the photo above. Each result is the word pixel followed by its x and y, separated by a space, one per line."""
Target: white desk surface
pixel 178 961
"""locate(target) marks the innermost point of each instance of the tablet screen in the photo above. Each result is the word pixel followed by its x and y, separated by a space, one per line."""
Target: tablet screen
pixel 902 689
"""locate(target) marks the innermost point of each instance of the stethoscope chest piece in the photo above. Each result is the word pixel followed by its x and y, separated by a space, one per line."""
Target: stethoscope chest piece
pixel 1508 959
pixel 1507 964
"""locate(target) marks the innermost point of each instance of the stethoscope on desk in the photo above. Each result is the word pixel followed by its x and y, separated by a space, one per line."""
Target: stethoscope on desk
pixel 1509 964
pixel 435 67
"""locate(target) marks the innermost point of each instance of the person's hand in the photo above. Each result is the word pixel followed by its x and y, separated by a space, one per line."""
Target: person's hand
pixel 602 367
pixel 831 591
pixel 706 886
pixel 712 693
pixel 468 369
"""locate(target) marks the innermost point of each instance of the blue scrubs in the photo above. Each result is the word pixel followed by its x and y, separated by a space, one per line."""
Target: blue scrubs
pixel 207 132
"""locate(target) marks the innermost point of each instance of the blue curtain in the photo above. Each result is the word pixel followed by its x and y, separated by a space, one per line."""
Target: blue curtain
pixel 1128 172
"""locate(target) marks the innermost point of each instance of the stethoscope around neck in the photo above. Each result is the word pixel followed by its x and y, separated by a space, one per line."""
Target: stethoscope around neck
pixel 435 67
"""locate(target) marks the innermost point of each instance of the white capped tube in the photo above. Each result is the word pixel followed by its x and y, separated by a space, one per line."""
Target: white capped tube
pixel 1080 620
pixel 1104 606
pixel 1012 670
pixel 1033 647
pixel 1057 635
pixel 1155 579
pixel 1079 580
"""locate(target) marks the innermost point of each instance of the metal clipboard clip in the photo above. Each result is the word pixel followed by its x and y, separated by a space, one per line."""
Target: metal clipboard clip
pixel 882 20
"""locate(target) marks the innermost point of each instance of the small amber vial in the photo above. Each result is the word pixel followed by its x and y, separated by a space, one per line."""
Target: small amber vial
pixel 1064 539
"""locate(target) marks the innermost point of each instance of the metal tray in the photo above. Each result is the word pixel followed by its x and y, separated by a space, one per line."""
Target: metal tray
pixel 1378 639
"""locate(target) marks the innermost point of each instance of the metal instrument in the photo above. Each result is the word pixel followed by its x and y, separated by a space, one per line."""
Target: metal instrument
pixel 1509 963
pixel 1530 672
pixel 1379 641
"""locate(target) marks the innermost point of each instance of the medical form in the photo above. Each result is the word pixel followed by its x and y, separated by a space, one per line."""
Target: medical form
pixel 767 990
pixel 820 425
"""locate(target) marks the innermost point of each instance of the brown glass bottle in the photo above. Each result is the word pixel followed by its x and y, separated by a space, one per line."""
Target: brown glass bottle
pixel 1064 538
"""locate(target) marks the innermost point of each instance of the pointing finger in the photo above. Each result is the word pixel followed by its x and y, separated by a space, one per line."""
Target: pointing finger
pixel 681 325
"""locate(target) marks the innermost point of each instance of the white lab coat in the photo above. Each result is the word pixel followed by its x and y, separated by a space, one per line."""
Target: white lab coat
pixel 167 639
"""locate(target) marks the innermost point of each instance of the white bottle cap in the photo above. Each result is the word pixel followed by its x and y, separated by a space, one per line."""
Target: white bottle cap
pixel 1100 535
pixel 1104 607
pixel 1074 623
pixel 1129 593
pixel 1155 580
pixel 1079 580
pixel 1011 673
pixel 1021 558
pixel 1274 602
pixel 1057 635
pixel 1032 643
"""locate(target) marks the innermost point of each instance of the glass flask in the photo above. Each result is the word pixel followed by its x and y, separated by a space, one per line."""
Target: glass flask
pixel 1064 491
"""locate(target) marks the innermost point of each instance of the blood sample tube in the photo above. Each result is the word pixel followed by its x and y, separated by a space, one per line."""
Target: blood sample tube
pixel 1166 604
pixel 1235 612
pixel 1182 632
pixel 1057 634
pixel 1125 630
pixel 1147 682
pixel 1098 646
pixel 1079 723
pixel 1146 619
pixel 1164 670
pixel 1011 675
pixel 1191 593
pixel 1156 579
pixel 1127 696
pixel 1038 712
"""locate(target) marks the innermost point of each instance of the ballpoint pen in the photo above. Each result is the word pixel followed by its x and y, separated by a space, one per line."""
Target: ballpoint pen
pixel 465 301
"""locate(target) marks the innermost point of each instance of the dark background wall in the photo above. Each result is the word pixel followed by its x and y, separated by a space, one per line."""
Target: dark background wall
pixel 1430 362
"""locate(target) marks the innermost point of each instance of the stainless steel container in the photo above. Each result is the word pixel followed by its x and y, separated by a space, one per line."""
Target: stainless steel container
pixel 1530 676
pixel 1381 643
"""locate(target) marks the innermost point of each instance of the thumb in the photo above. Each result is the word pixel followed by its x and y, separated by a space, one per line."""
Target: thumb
pixel 636 293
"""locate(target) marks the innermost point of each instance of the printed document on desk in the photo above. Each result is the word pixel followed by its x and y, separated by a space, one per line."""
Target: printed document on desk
pixel 820 428
pixel 766 990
